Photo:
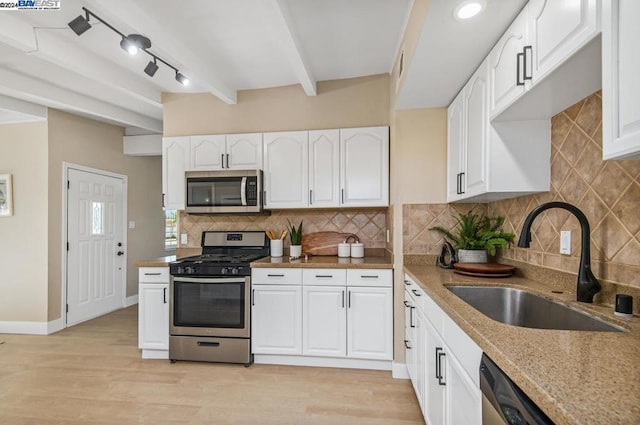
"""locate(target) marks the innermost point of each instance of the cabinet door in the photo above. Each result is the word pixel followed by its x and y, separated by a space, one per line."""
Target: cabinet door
pixel 175 161
pixel 364 169
pixel 207 152
pixel 477 119
pixel 455 145
pixel 559 28
pixel 324 321
pixel 464 399
pixel 504 71
pixel 286 179
pixel 620 83
pixel 435 375
pixel 153 316
pixel 245 151
pixel 324 168
pixel 276 319
pixel 370 323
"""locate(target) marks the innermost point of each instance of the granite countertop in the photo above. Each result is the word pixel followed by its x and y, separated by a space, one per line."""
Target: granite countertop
pixel 576 377
pixel 326 262
pixel 164 261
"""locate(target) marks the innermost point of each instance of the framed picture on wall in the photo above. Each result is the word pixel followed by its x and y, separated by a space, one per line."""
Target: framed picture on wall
pixel 6 196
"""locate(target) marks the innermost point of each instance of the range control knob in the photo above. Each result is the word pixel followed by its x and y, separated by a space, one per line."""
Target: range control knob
pixel 234 270
pixel 224 270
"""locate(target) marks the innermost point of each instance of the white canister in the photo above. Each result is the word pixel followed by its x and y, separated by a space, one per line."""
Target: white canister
pixel 276 247
pixel 357 250
pixel 295 251
pixel 344 250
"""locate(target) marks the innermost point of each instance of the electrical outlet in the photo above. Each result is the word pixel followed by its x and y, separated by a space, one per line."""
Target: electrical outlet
pixel 388 235
pixel 132 225
pixel 184 238
pixel 565 242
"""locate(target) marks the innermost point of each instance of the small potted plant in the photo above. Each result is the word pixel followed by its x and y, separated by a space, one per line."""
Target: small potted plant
pixel 476 234
pixel 295 250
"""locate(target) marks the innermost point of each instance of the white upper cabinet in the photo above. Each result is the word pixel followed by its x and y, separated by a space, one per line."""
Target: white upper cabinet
pixel 226 152
pixel 286 179
pixel 244 151
pixel 558 29
pixel 476 104
pixel 324 168
pixel 546 61
pixel 175 161
pixel 620 83
pixel 207 152
pixel 364 166
pixel 506 66
pixel 455 146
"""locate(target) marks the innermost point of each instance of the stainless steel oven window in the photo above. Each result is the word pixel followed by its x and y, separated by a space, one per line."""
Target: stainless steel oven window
pixel 210 303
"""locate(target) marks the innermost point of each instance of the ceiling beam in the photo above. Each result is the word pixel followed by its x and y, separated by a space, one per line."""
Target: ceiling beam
pixel 55 49
pixel 38 91
pixel 132 15
pixel 283 28
pixel 16 105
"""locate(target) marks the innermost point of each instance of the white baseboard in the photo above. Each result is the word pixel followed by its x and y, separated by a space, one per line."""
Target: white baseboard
pixel 133 299
pixel 321 362
pixel 55 326
pixel 29 328
pixel 155 354
pixel 399 371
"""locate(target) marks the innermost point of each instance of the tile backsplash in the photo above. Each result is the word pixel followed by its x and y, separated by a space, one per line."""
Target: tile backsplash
pixel 369 224
pixel 608 192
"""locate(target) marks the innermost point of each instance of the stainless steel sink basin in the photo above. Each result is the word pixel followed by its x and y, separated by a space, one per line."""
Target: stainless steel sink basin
pixel 521 308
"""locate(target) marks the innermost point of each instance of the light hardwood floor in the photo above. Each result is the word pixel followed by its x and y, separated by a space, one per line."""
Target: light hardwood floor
pixel 92 373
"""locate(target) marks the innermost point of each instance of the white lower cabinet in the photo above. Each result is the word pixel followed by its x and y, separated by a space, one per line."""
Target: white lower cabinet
pixel 443 362
pixel 319 315
pixel 153 312
pixel 276 327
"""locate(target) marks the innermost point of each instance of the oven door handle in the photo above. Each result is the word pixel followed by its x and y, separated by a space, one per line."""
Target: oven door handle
pixel 209 279
pixel 243 190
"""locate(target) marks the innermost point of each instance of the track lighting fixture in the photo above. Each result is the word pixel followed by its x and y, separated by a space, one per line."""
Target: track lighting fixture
pixel 132 44
pixel 182 79
pixel 80 24
pixel 151 68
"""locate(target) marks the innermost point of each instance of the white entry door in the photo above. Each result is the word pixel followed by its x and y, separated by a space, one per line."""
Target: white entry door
pixel 95 235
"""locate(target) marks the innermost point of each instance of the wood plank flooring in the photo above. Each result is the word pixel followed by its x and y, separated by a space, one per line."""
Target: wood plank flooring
pixel 92 373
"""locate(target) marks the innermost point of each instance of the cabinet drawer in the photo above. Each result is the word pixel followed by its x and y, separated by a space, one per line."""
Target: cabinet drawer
pixel 321 277
pixel 153 274
pixel 276 276
pixel 370 277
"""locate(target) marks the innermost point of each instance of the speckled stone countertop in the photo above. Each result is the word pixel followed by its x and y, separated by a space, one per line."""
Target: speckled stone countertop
pixel 576 377
pixel 326 262
pixel 164 261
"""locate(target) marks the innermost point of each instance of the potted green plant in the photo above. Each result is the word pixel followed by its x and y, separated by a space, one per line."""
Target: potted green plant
pixel 295 234
pixel 476 234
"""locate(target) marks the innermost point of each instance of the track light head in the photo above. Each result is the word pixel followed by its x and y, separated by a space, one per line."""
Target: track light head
pixel 151 68
pixel 80 24
pixel 133 43
pixel 182 79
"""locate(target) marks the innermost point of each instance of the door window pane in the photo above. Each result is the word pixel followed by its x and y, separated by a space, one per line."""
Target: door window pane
pixel 97 218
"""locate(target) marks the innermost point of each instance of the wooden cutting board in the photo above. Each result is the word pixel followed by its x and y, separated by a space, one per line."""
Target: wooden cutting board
pixel 484 269
pixel 323 243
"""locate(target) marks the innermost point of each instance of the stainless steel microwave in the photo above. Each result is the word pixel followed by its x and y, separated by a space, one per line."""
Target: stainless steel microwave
pixel 224 192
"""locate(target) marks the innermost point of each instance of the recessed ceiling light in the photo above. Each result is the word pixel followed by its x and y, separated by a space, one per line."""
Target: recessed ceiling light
pixel 468 9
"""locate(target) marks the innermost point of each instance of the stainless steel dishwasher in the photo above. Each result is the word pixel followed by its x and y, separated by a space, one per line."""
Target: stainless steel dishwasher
pixel 503 402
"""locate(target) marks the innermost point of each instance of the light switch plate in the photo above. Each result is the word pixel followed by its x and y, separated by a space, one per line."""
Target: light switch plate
pixel 184 238
pixel 565 242
pixel 132 225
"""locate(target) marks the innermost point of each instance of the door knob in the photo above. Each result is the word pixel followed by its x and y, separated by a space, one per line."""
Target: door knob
pixel 119 253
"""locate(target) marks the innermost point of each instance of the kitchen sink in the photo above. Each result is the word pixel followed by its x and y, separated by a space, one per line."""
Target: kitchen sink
pixel 522 308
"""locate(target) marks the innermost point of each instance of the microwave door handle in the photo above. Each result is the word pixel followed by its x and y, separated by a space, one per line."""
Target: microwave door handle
pixel 243 191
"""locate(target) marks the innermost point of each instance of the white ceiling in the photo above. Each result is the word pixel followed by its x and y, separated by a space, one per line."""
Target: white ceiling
pixel 228 45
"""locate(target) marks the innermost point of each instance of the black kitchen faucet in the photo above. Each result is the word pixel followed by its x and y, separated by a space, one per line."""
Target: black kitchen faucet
pixel 588 285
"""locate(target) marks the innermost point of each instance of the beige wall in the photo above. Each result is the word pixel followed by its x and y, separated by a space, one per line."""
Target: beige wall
pixel 357 102
pixel 23 282
pixel 93 144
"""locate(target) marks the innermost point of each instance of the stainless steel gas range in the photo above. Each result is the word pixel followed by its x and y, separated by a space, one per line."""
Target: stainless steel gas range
pixel 210 299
